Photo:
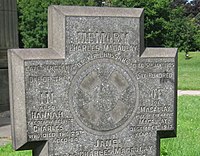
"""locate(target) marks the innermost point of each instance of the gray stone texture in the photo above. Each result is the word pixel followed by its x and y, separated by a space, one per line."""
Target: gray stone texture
pixel 5 128
pixel 4 93
pixel 8 25
pixel 8 39
pixel 96 90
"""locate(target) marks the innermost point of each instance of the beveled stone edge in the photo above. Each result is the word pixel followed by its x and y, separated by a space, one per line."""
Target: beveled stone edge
pixel 159 52
pixel 56 30
pixel 16 90
pixel 173 132
pixel 36 54
pixel 16 58
pixel 99 11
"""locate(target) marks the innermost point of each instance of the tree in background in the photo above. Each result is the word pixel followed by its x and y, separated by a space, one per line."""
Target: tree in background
pixel 193 8
pixel 33 20
pixel 168 23
pixel 156 15
pixel 186 24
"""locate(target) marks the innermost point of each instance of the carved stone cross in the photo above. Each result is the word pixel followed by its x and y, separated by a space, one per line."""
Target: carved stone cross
pixel 96 91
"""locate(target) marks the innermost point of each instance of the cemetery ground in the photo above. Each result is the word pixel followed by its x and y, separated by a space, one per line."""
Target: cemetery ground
pixel 188 131
pixel 189 71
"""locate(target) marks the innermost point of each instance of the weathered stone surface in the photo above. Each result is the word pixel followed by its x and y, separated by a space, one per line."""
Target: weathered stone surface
pixel 8 25
pixel 8 39
pixel 96 90
pixel 4 92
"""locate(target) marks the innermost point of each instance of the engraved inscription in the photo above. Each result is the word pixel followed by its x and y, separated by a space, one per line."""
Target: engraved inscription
pixel 102 37
pixel 46 97
pixel 101 41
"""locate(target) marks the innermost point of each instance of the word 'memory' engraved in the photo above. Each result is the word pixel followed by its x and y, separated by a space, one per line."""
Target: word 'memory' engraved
pixel 102 37
pixel 47 115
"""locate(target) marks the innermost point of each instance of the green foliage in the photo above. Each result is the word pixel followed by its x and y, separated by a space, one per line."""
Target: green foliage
pixel 166 21
pixel 33 19
pixel 193 8
pixel 156 15
pixel 181 31
pixel 197 39
pixel 197 35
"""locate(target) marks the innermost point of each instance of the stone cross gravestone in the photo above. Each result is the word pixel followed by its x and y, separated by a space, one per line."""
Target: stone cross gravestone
pixel 96 91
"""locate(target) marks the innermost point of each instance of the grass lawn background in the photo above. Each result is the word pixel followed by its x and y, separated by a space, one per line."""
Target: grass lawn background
pixel 187 142
pixel 189 71
pixel 8 151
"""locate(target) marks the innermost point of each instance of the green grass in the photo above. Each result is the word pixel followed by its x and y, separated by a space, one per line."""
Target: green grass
pixel 189 71
pixel 8 151
pixel 187 142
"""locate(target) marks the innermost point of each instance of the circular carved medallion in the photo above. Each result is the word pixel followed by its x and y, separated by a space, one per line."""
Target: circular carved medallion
pixel 103 96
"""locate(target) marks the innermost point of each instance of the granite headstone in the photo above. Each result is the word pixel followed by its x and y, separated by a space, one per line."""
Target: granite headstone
pixel 96 91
